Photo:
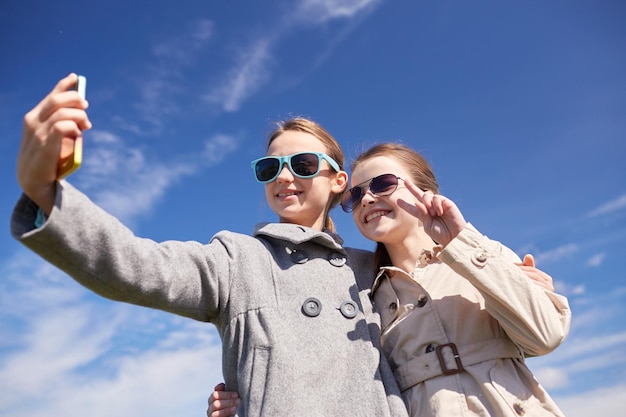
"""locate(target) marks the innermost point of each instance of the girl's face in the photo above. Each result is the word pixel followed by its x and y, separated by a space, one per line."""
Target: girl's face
pixel 302 201
pixel 380 218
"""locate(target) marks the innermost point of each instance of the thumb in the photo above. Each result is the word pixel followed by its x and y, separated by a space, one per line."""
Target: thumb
pixel 529 260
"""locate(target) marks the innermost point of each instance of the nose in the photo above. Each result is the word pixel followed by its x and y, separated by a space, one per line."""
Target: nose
pixel 368 198
pixel 285 174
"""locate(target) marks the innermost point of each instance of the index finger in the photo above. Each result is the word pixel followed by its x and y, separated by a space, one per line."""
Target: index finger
pixel 414 189
pixel 47 106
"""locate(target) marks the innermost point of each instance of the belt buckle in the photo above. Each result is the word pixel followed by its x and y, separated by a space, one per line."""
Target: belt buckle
pixel 442 362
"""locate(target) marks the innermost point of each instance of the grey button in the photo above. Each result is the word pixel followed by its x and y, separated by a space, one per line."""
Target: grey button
pixel 312 307
pixel 337 259
pixel 393 307
pixel 299 257
pixel 430 348
pixel 421 302
pixel 349 309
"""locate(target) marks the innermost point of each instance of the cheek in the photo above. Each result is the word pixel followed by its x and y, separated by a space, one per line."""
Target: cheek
pixel 356 218
pixel 269 195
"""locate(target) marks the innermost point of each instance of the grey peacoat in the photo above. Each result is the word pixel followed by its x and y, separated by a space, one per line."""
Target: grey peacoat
pixel 291 304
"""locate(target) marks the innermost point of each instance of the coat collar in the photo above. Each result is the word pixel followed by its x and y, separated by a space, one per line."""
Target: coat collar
pixel 297 234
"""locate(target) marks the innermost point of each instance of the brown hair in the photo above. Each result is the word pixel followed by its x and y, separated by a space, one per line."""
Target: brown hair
pixel 302 124
pixel 418 168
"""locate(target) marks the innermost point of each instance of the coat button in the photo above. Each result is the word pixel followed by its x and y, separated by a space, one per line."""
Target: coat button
pixel 337 259
pixel 421 302
pixel 393 307
pixel 298 257
pixel 430 348
pixel 312 307
pixel 349 309
pixel 519 409
pixel 479 258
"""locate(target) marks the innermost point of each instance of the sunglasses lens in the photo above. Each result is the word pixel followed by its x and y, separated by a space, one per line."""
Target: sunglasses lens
pixel 266 169
pixel 351 198
pixel 381 185
pixel 384 184
pixel 305 164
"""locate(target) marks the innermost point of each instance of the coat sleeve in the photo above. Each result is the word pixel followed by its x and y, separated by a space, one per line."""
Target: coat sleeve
pixel 98 251
pixel 534 318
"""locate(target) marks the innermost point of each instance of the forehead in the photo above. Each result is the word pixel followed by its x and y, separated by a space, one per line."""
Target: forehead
pixel 292 142
pixel 376 166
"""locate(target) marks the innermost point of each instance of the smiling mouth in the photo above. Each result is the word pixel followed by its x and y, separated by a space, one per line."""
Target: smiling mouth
pixel 374 215
pixel 287 194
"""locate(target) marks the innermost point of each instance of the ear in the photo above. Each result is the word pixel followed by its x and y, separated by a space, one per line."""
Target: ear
pixel 340 182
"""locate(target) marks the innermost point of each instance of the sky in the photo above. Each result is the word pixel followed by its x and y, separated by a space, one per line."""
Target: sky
pixel 520 107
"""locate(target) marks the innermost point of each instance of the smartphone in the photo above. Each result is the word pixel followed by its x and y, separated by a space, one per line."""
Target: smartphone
pixel 72 149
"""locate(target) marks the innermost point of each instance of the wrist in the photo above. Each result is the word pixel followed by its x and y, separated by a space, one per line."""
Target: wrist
pixel 43 197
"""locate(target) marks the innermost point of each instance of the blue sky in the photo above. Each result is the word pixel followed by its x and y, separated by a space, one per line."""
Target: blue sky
pixel 519 106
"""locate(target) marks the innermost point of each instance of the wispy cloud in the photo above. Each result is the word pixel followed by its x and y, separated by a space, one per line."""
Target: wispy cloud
pixel 250 72
pixel 321 11
pixel 566 289
pixel 596 260
pixel 605 402
pixel 586 349
pixel 127 183
pixel 159 85
pixel 552 377
pixel 614 205
pixel 557 253
pixel 77 354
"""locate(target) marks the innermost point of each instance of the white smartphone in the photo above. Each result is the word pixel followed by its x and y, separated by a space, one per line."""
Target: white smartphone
pixel 72 149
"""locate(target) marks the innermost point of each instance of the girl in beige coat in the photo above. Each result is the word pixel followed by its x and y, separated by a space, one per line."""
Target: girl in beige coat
pixel 458 315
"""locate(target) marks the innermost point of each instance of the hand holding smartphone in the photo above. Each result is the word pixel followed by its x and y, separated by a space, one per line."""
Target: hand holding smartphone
pixel 72 149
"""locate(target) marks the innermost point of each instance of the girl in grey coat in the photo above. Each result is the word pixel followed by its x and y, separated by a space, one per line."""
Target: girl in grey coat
pixel 290 302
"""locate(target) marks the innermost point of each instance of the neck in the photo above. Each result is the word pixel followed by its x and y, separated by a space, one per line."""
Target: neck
pixel 405 254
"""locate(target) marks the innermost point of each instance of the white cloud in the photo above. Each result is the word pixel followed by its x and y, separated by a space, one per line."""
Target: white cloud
pixel 121 179
pixel 566 289
pixel 614 205
pixel 216 148
pixel 253 67
pixel 54 344
pixel 321 11
pixel 605 402
pixel 160 85
pixel 551 377
pixel 127 183
pixel 78 354
pixel 249 73
pixel 596 260
pixel 556 254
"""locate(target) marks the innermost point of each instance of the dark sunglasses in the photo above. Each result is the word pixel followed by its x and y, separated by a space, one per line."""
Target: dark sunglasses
pixel 302 165
pixel 379 186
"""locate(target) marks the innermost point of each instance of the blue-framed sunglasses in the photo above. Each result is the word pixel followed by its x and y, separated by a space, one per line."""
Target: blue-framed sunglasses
pixel 302 165
pixel 379 186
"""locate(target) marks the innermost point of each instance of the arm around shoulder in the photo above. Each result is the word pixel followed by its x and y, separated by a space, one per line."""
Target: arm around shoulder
pixel 536 319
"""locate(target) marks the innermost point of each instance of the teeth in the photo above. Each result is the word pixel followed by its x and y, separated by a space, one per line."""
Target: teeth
pixel 286 194
pixel 374 215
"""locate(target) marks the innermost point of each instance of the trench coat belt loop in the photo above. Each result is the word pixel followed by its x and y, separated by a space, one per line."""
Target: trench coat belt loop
pixel 455 359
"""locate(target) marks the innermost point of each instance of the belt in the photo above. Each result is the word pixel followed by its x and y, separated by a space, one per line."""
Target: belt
pixel 450 359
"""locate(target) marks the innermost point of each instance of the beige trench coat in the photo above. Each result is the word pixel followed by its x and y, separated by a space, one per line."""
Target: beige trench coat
pixel 457 331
